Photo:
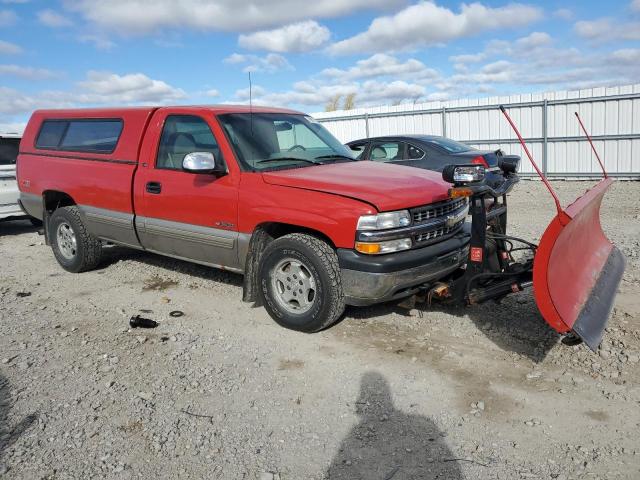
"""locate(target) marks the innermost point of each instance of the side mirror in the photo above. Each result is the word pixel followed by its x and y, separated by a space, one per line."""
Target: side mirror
pixel 201 162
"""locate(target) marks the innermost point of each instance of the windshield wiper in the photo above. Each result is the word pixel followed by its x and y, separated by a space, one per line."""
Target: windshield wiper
pixel 336 156
pixel 289 159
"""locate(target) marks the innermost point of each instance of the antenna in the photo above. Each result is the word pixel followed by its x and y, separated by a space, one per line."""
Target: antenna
pixel 250 104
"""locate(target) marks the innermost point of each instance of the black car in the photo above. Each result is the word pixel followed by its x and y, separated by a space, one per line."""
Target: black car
pixel 427 151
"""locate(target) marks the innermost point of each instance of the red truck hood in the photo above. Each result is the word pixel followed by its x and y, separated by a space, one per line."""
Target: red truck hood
pixel 387 187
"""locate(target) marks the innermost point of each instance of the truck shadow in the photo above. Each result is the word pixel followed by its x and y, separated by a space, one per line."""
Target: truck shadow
pixel 114 254
pixel 514 325
pixel 16 227
pixel 8 435
pixel 390 444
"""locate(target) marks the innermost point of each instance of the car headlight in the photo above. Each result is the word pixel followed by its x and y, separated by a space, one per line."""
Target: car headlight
pixel 383 221
pixel 388 246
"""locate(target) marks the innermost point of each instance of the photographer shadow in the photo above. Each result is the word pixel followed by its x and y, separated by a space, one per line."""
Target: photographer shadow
pixel 8 435
pixel 388 444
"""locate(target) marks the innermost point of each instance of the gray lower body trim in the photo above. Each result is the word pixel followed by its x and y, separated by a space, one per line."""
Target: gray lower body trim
pixel 32 204
pixel 199 262
pixel 210 246
pixel 366 288
pixel 110 225
pixel 244 241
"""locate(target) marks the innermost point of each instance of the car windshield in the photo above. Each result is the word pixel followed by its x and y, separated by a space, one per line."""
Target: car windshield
pixel 280 140
pixel 449 145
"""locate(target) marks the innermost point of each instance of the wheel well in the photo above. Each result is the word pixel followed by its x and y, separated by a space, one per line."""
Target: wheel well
pixel 264 234
pixel 277 230
pixel 54 199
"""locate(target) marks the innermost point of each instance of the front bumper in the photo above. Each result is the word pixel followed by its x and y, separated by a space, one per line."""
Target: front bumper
pixel 370 279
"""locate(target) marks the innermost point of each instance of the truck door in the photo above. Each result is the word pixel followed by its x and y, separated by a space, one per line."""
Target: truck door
pixel 181 214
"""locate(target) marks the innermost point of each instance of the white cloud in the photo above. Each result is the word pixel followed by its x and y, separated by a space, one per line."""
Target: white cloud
pixel 99 88
pixel 427 24
pixel 144 16
pixel 212 93
pixel 635 5
pixel 8 48
pixel 53 19
pixel 99 41
pixel 564 13
pixel 270 63
pixel 297 37
pixel 534 40
pixel 235 58
pixel 313 93
pixel 7 18
pixel 527 46
pixel 244 94
pixel 607 30
pixel 106 87
pixel 26 73
pixel 382 65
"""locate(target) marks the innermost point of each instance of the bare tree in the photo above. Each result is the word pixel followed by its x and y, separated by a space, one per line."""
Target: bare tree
pixel 349 102
pixel 333 103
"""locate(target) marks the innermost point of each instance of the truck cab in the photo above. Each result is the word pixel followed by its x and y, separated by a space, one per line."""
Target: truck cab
pixel 267 193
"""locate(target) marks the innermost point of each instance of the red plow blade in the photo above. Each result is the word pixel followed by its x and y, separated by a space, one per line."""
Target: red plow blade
pixel 577 270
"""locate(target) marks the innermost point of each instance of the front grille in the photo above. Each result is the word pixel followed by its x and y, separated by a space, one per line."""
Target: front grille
pixel 437 233
pixel 428 212
pixel 431 224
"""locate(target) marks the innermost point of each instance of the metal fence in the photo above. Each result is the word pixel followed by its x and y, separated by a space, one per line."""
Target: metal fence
pixel 547 122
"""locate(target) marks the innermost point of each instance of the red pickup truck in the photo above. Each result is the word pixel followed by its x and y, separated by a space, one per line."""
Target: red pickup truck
pixel 268 193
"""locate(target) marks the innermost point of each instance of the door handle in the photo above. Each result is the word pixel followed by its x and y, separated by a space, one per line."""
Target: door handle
pixel 154 187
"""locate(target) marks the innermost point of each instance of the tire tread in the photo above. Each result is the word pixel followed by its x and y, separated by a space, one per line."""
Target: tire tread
pixel 91 246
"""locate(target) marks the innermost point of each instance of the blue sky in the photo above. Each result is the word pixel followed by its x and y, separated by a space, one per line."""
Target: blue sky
pixel 302 54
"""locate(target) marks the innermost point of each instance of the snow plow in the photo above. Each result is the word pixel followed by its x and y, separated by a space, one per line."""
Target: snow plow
pixel 574 271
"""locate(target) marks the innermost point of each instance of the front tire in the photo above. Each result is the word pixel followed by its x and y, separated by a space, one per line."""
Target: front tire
pixel 300 283
pixel 75 249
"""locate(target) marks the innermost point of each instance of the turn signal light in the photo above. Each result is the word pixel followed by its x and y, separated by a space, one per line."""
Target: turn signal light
pixel 460 192
pixel 388 246
pixel 368 248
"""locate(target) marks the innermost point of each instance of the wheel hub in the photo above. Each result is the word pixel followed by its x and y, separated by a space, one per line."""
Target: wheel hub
pixel 66 239
pixel 294 285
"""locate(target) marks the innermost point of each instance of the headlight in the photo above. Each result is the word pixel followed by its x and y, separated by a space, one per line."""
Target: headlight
pixel 463 173
pixel 389 246
pixel 383 221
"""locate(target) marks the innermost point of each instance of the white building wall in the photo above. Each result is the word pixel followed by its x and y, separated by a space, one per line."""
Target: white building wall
pixel 611 115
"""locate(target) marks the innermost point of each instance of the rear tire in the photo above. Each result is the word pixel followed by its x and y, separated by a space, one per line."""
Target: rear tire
pixel 75 249
pixel 301 283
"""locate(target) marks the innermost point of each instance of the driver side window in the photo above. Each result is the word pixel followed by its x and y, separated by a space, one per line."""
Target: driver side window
pixel 181 135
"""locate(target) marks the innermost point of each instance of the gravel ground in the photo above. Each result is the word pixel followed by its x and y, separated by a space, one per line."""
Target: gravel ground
pixel 479 393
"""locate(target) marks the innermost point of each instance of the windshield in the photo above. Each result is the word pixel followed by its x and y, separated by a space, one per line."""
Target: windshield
pixel 280 140
pixel 449 145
